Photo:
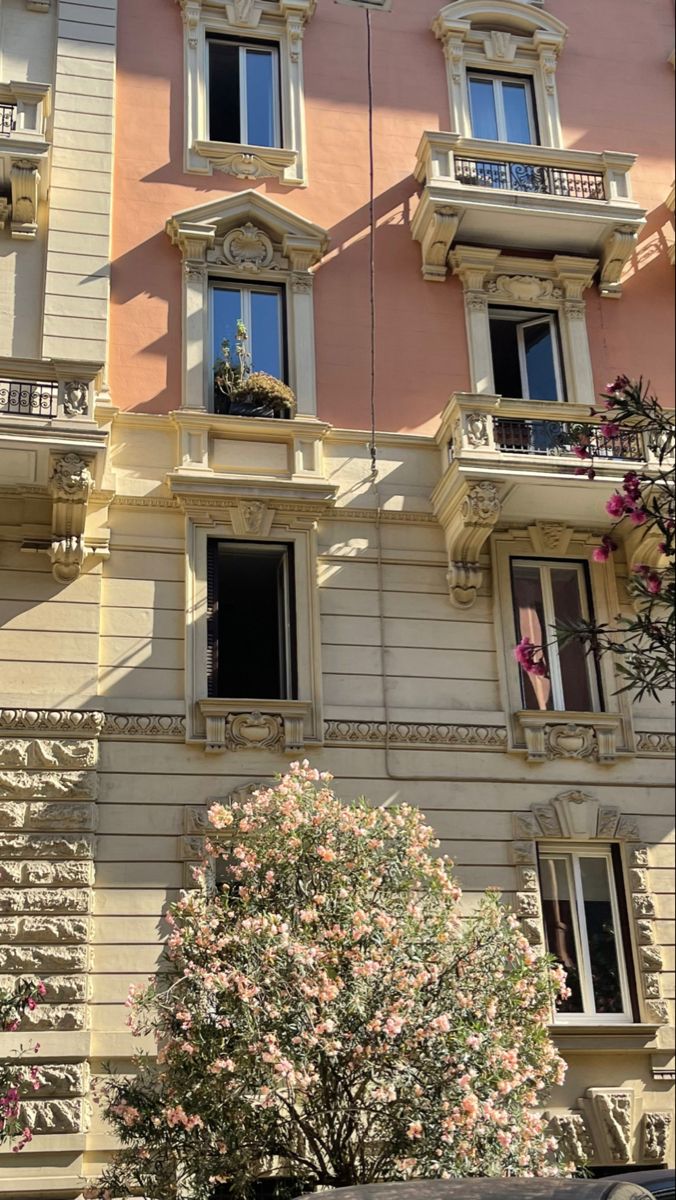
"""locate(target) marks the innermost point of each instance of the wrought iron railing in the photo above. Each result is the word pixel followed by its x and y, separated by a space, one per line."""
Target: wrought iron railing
pixel 28 398
pixel 519 436
pixel 530 177
pixel 7 119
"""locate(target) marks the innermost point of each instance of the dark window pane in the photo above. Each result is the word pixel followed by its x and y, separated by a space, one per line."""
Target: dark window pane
pixel 254 622
pixel 601 935
pixel 265 333
pixel 539 348
pixel 530 622
pixel 505 352
pixel 227 311
pixel 260 98
pixel 559 929
pixel 482 100
pixel 224 115
pixel 515 101
pixel 577 693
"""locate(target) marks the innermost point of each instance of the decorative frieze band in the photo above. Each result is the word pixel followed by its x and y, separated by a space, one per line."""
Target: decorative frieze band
pixel 404 733
pixel 604 1131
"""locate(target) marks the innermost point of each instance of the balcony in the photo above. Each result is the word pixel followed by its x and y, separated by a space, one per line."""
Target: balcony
pixel 24 155
pixel 534 198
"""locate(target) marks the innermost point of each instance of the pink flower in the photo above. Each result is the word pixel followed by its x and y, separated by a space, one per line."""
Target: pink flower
pixel 525 654
pixel 654 584
pixel 617 505
pixel 610 429
pixel 620 385
pixel 603 552
pixel 581 451
pixel 638 516
pixel 631 484
pixel 415 1130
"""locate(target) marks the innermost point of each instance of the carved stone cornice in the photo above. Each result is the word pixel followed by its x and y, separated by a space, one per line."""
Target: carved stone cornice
pixel 275 725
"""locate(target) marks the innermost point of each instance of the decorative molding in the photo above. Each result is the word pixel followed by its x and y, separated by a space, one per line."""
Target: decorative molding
pixel 248 248
pixel 277 725
pixel 656 745
pixel 578 816
pixel 70 485
pixel 656 1136
pixel 572 1134
pixel 76 398
pixel 58 721
pixel 527 288
pixel 24 179
pixel 404 733
pixel 467 512
pixel 579 735
pixel 283 23
pixel 549 537
pixel 38 6
pixel 610 1116
pixel 252 518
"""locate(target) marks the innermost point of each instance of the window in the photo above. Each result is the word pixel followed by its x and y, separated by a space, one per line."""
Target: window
pixel 243 93
pixel 545 593
pixel 502 108
pixel 585 932
pixel 526 357
pixel 250 620
pixel 261 309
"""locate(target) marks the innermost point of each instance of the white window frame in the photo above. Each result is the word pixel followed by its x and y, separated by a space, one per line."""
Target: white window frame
pixel 281 24
pixel 246 289
pixel 499 82
pixel 244 47
pixel 523 321
pixel 531 47
pixel 571 854
pixel 545 567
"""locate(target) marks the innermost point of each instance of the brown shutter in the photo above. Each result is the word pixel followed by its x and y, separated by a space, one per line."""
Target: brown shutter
pixel 212 616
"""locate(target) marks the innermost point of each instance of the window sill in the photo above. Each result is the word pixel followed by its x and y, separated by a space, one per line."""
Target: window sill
pixel 550 735
pixel 249 162
pixel 600 1038
pixel 239 725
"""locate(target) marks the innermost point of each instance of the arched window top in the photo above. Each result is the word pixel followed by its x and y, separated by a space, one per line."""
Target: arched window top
pixel 525 17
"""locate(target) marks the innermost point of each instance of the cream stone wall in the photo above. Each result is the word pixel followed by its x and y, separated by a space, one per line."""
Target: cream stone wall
pixel 102 798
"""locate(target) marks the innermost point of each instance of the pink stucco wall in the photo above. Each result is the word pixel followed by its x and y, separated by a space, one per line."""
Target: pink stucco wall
pixel 615 91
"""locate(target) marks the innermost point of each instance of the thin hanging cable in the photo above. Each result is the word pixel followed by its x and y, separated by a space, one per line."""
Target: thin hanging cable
pixel 372 247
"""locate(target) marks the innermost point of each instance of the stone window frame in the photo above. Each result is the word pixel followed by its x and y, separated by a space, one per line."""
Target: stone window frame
pixel 233 725
pixel 247 238
pixel 490 277
pixel 526 41
pixel 573 817
pixel 544 736
pixel 283 23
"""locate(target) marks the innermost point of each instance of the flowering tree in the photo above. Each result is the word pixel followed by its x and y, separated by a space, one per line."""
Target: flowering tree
pixel 644 642
pixel 14 1075
pixel 329 1016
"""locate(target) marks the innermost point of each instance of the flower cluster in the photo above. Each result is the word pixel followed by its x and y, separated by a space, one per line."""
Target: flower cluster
pixel 530 657
pixel 16 1078
pixel 331 1016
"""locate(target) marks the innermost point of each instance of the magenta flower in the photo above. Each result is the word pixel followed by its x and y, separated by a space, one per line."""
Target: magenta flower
pixel 610 429
pixel 617 505
pixel 525 654
pixel 654 584
pixel 620 385
pixel 632 485
pixel 581 451
pixel 603 552
pixel 638 516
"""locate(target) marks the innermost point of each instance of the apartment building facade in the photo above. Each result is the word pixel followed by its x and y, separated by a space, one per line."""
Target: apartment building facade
pixel 198 587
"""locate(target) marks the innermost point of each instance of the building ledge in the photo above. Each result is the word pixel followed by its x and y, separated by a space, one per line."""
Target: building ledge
pixel 599 1038
pixel 535 198
pixel 254 724
pixel 249 162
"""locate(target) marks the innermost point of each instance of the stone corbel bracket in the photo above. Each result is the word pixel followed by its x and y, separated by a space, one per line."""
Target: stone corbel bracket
pixel 70 486
pixel 576 816
pixel 467 512
pixel 435 225
pixel 24 180
pixel 617 251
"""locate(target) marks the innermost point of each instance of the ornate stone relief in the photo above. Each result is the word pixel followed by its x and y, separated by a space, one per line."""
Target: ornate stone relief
pixel 252 518
pixel 656 1136
pixel 248 248
pixel 524 287
pixel 47 818
pixel 467 515
pixel 279 726
pixel 610 1116
pixel 572 1134
pixel 24 179
pixel 589 738
pixel 400 733
pixel 548 536
pixel 577 816
pixel 76 398
pixel 70 485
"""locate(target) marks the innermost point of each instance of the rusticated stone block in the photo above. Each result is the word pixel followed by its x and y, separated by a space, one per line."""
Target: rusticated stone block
pixel 9 930
pixel 14 752
pixel 47 785
pixel 638 856
pixel 57 1017
pixel 651 986
pixel 638 880
pixel 44 900
pixel 54 1116
pixel 651 958
pixel 60 874
pixel 63 1079
pixel 54 929
pixel 61 989
pixel 62 817
pixel 26 960
pixel 11 872
pixel 643 905
pixel 45 752
pixel 12 815
pixel 34 845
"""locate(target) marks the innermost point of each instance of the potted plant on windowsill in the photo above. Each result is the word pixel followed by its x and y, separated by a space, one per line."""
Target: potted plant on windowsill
pixel 239 391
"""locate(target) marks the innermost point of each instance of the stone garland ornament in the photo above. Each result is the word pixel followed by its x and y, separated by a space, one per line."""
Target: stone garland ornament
pixel 75 398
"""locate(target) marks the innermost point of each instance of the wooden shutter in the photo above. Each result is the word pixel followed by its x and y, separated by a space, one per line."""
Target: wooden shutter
pixel 212 616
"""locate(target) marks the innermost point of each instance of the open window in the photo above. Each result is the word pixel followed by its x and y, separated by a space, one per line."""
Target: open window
pixel 502 108
pixel 251 635
pixel 244 92
pixel 585 930
pixel 526 354
pixel 545 593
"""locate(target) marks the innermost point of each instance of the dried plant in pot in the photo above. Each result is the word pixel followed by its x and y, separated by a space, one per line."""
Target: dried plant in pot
pixel 240 391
